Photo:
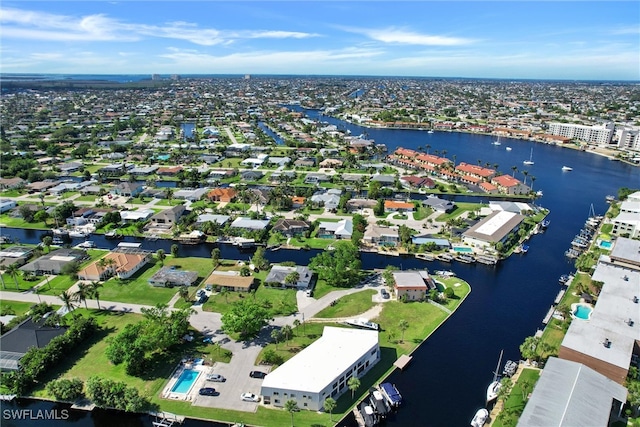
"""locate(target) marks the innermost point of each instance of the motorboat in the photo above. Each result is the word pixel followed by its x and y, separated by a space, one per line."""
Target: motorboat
pixel 467 259
pixel 480 418
pixel 567 168
pixel 78 233
pixel 564 279
pixel 545 223
pixel 494 386
pixel 363 324
pixel 60 232
pixel 508 148
pixel 444 273
pixel 87 244
pixel 368 415
pixel 425 257
pixel 510 368
pixel 391 394
pixel 487 259
pixel 524 248
pixel 378 403
pixel 444 257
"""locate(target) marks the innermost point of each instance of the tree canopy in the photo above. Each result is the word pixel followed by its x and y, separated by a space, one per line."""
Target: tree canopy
pixel 246 317
pixel 340 267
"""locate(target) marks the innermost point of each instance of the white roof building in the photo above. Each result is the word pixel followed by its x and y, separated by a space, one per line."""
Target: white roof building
pixel 323 368
pixel 492 229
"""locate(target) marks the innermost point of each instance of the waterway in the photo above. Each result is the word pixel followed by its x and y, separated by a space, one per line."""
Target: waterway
pixel 446 382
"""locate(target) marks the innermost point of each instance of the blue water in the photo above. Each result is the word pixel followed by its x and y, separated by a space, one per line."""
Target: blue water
pixel 605 245
pixel 462 249
pixel 465 350
pixel 582 312
pixel 272 134
pixel 185 381
pixel 163 156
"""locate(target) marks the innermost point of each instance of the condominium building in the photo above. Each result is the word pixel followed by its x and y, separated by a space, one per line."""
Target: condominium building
pixel 601 135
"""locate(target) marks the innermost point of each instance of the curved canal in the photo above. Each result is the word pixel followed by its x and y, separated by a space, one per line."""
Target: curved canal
pixel 446 381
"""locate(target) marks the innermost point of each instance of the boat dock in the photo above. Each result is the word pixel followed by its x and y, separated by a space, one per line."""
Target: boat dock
pixel 559 296
pixel 358 416
pixel 402 361
pixel 166 419
pixel 549 315
pixel 84 405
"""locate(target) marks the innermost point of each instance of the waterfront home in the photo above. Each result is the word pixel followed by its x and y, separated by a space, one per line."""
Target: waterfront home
pixel 385 180
pixel 438 204
pixel 441 244
pixel 122 263
pixel 291 227
pixel 251 175
pixel 218 219
pixel 412 285
pixel 190 194
pixel 395 206
pixel 115 170
pixel 278 275
pixel 15 255
pixel 143 171
pixel 249 224
pixel 137 215
pixel 70 167
pixel 414 181
pixel 466 169
pixel 230 280
pixel 331 163
pixel 17 342
pixel 167 218
pixel 510 185
pixel 495 228
pixel 222 194
pixel 169 277
pixel 128 189
pixel 322 369
pixel 488 187
pixel 169 170
pixel 54 261
pixel 379 235
pixel 7 204
pixel 342 229
pixel 569 392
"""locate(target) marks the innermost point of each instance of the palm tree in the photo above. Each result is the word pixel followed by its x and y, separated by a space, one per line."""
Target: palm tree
pixel 291 406
pixel 161 256
pixel 82 293
pixel 4 285
pixel 225 292
pixel 184 293
pixel 428 146
pixel 93 291
pixel 47 241
pixel 287 332
pixel 403 325
pixel 533 179
pixel 353 384
pixel 275 335
pixel 67 299
pixel 525 173
pixel 329 405
pixel 12 270
pixel 296 323
pixel 514 169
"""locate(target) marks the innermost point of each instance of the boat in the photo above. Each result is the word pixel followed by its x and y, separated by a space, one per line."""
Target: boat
pixel 510 368
pixel 480 418
pixel 545 223
pixel 57 241
pixel 425 257
pixel 508 148
pixel 430 131
pixel 60 232
pixel 539 193
pixel 391 394
pixel 363 324
pixel 444 273
pixel 494 387
pixel 530 161
pixel 564 279
pixel 497 142
pixel 378 403
pixel 487 259
pixel 87 244
pixel 467 259
pixel 524 248
pixel 78 233
pixel 567 169
pixel 610 198
pixel 368 415
pixel 444 257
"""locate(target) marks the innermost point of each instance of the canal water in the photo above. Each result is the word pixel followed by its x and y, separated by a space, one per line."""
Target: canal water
pixel 446 382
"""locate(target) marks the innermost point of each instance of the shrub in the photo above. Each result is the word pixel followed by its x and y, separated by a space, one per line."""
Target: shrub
pixel 66 390
pixel 112 394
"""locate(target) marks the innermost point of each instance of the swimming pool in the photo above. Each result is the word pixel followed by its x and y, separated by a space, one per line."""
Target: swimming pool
pixel 463 249
pixel 605 244
pixel 582 311
pixel 185 381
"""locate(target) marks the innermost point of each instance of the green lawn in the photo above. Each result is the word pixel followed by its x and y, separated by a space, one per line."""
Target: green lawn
pixel 137 290
pixel 15 308
pixel 282 302
pixel 349 305
pixel 461 207
pixel 515 403
pixel 57 285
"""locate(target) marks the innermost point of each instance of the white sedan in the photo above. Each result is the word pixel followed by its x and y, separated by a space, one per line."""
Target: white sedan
pixel 249 397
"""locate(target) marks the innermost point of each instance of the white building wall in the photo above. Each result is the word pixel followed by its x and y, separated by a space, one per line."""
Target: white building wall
pixel 601 135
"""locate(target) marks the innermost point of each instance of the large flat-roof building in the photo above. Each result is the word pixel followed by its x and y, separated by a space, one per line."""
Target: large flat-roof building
pixel 571 394
pixel 322 369
pixel 610 339
pixel 493 229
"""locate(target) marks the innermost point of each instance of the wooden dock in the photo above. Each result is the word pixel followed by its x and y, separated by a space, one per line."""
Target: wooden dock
pixel 549 315
pixel 359 418
pixel 402 361
pixel 559 296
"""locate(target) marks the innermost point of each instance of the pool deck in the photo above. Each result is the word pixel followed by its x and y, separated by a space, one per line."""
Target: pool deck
pixel 175 376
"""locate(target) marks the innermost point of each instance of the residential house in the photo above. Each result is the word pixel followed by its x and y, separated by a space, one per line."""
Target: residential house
pixel 476 171
pixel 510 185
pixel 279 161
pixel 15 255
pixel 169 170
pixel 384 179
pixel 251 175
pixel 115 170
pixel 417 181
pixel 297 202
pixel 494 228
pixel 331 163
pixel 128 189
pixel 395 206
pixel 218 219
pixel 379 235
pixel 169 277
pixel 305 162
pixel 230 280
pixel 278 275
pixel 342 229
pixel 222 194
pixel 70 167
pixel 167 218
pixel 249 224
pixel 54 261
pixel 357 204
pixel 290 227
pixel 7 204
pixel 190 194
pixel 316 178
pixel 327 199
pixel 28 334
pixel 438 204
pixel 137 215
pixel 412 285
pixel 121 263
pixel 12 183
pixel 41 186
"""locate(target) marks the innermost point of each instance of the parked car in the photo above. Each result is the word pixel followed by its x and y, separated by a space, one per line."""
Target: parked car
pixel 257 374
pixel 209 287
pixel 309 292
pixel 216 378
pixel 207 391
pixel 384 293
pixel 249 397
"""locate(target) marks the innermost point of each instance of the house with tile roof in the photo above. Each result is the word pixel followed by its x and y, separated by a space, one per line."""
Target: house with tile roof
pixel 222 194
pixel 510 185
pixel 395 206
pixel 120 264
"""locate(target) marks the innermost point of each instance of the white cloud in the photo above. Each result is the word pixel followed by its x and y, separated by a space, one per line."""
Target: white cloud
pixel 394 35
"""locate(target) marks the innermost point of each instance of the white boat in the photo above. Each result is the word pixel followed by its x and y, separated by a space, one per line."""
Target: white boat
pixel 539 193
pixel 480 418
pixel 497 142
pixel 60 232
pixel 530 161
pixel 87 244
pixel 445 273
pixel 430 131
pixel 77 233
pixel 494 387
pixel 508 148
pixel 362 323
pixel 567 168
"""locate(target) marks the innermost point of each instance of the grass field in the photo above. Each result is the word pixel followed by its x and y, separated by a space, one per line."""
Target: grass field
pixel 514 405
pixel 349 305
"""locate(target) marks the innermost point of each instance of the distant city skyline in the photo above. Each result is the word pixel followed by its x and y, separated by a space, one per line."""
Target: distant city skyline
pixel 520 40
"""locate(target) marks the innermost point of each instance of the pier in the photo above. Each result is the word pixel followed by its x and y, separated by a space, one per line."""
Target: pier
pixel 549 315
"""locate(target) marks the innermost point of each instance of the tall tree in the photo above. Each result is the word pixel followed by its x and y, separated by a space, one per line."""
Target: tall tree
pixel 245 317
pixel 403 326
pixel 174 250
pixel 291 406
pixel 184 293
pixel 82 293
pixel 275 336
pixel 94 291
pixel 161 255
pixel 340 267
pixel 47 241
pixel 12 270
pixel 353 384
pixel 67 299
pixel 215 257
pixel 329 405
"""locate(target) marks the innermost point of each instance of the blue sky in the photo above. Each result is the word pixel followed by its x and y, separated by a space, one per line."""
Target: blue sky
pixel 539 40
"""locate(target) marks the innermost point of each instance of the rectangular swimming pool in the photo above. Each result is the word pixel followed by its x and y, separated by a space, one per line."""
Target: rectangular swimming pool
pixel 463 249
pixel 185 381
